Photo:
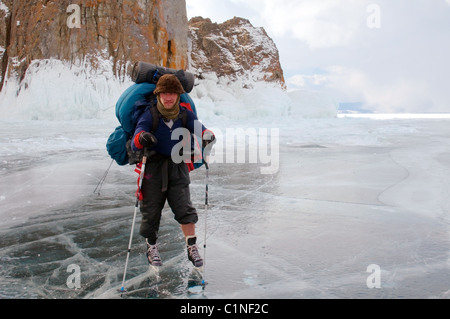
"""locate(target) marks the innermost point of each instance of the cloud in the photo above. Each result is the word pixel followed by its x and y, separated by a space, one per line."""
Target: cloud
pixel 397 61
pixel 320 24
pixel 402 66
pixel 307 80
pixel 381 95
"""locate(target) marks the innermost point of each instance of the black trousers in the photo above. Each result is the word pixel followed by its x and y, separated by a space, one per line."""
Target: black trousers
pixel 165 180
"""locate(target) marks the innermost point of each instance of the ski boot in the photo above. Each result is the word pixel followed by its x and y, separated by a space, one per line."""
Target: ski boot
pixel 153 255
pixel 192 251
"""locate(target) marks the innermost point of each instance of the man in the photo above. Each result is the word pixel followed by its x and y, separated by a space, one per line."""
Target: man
pixel 164 179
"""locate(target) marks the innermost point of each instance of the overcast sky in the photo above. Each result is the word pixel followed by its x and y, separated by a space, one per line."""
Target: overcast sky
pixel 392 55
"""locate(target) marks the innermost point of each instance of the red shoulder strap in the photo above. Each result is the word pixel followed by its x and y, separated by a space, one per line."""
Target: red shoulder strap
pixel 187 105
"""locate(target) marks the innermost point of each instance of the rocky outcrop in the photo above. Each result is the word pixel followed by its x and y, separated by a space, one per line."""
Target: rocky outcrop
pixel 123 31
pixel 88 32
pixel 234 49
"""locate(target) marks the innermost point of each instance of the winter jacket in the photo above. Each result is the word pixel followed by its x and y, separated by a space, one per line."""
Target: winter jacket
pixel 163 133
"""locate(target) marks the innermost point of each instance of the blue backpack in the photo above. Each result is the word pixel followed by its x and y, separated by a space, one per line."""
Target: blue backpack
pixel 128 112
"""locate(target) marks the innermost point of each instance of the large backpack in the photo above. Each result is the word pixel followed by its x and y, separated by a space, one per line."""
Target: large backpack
pixel 128 110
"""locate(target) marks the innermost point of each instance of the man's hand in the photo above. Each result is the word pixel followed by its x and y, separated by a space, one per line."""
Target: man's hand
pixel 208 138
pixel 147 139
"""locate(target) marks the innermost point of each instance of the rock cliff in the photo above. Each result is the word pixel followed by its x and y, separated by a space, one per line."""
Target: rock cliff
pixel 123 31
pixel 235 49
pixel 85 33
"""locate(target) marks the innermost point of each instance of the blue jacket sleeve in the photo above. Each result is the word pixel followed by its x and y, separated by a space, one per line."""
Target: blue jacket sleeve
pixel 144 124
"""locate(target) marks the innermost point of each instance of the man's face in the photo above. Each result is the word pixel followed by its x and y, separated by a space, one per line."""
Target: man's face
pixel 168 99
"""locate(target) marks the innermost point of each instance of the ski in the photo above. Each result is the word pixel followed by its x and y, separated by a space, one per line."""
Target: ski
pixel 147 284
pixel 152 283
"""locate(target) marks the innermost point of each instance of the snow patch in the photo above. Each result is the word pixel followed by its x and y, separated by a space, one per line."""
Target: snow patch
pixel 57 90
pixel 4 8
pixel 220 99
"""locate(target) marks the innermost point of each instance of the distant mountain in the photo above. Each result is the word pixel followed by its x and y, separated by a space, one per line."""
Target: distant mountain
pixel 235 49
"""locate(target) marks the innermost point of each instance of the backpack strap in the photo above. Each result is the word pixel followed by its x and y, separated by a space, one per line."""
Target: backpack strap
pixel 156 116
pixel 183 116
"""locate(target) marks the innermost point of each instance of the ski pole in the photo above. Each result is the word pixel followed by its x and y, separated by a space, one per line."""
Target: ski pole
pixel 102 180
pixel 141 179
pixel 206 222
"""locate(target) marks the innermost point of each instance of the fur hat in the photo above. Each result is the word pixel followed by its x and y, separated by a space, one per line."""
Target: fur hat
pixel 168 83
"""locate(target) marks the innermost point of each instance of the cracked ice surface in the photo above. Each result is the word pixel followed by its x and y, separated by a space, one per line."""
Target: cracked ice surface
pixel 349 193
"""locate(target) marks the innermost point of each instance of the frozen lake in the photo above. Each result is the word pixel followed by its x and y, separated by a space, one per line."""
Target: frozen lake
pixel 358 209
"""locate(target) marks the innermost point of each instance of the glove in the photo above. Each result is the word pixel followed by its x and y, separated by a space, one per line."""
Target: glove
pixel 208 138
pixel 147 139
